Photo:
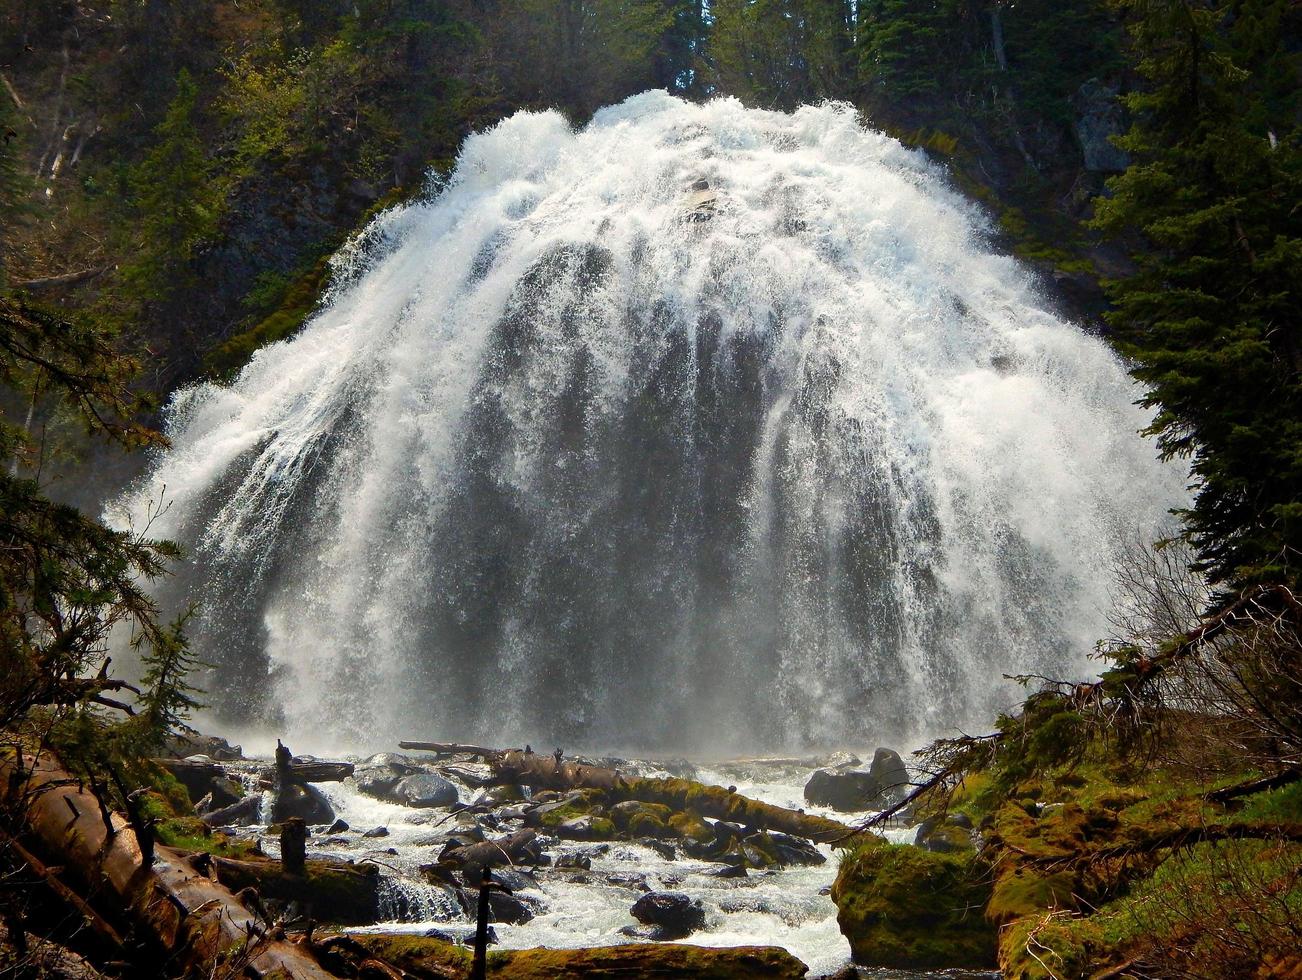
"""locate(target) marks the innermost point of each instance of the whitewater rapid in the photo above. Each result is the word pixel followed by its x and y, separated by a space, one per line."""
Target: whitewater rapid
pixel 555 462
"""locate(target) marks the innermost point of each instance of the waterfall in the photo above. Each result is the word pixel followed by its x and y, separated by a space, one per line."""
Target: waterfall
pixel 701 427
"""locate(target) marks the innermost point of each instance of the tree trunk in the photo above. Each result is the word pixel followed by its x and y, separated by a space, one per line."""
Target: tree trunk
pixel 194 919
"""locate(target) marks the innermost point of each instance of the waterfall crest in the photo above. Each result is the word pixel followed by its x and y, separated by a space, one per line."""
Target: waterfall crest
pixel 703 427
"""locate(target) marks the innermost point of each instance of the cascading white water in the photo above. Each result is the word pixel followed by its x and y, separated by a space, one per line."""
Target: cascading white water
pixel 556 463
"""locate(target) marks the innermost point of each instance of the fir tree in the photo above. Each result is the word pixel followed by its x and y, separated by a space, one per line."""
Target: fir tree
pixel 178 197
pixel 1211 317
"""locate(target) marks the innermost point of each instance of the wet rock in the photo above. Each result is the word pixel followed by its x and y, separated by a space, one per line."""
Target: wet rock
pixel 514 879
pixel 338 827
pixel 379 774
pixel 662 847
pixel 305 802
pixel 795 851
pixel 554 810
pixel 498 795
pixel 585 828
pixel 729 871
pixel 849 789
pixel 579 862
pixel 377 832
pixel 424 790
pixel 892 777
pixel 634 880
pixel 675 914
pixel 643 819
pixel 509 909
pixel 845 973
pixel 689 825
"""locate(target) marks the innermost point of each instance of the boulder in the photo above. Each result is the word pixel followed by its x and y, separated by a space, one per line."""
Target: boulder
pixel 891 775
pixel 885 783
pixel 841 789
pixel 424 790
pixel 950 835
pixel 379 774
pixel 903 907
pixel 676 915
pixel 588 827
pixel 510 909
pixel 305 802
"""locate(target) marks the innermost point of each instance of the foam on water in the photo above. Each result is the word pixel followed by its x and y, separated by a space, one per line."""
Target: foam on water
pixel 780 908
pixel 555 463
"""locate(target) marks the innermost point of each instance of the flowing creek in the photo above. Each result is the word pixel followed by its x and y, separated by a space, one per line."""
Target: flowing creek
pixel 789 907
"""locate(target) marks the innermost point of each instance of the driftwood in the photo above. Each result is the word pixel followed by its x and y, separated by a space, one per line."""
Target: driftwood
pixel 246 811
pixel 550 772
pixel 314 771
pixel 518 848
pixel 450 748
pixel 194 920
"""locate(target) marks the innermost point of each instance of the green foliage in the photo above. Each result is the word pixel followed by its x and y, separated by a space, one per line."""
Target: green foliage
pixel 179 201
pixel 1210 317
pixel 781 53
pixel 582 54
pixel 908 48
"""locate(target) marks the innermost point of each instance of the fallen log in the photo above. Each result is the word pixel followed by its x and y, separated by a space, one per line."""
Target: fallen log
pixel 551 772
pixel 450 748
pixel 246 811
pixel 471 859
pixel 317 771
pixel 195 921
pixel 339 893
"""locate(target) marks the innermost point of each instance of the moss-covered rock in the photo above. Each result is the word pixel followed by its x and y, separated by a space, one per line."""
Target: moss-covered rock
pixel 901 906
pixel 639 819
pixel 690 825
pixel 429 958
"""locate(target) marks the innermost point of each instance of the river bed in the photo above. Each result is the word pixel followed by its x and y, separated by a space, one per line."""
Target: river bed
pixel 788 907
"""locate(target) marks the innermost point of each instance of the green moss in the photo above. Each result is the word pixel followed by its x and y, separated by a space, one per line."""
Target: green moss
pixel 297 302
pixel 1283 805
pixel 335 893
pixel 1025 891
pixel 903 907
pixel 691 825
pixel 188 832
pixel 1051 946
pixel 429 958
pixel 583 804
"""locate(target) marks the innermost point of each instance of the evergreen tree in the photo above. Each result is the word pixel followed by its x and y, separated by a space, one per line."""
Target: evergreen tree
pixel 1211 317
pixel 781 53
pixel 178 198
pixel 908 47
